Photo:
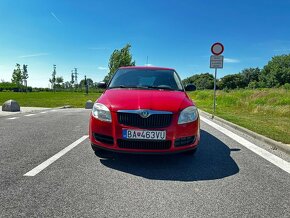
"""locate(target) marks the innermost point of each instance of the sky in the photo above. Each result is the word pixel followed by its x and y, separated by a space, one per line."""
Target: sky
pixel 172 33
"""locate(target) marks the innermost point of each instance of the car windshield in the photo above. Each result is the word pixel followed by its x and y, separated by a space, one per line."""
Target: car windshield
pixel 146 79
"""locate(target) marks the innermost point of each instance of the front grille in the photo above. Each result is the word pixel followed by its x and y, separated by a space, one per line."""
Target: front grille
pixel 153 121
pixel 104 138
pixel 184 141
pixel 145 145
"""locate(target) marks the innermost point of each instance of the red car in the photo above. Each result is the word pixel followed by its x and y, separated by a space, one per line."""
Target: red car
pixel 145 110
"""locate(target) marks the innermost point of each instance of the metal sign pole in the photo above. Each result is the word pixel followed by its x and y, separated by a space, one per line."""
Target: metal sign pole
pixel 216 61
pixel 214 93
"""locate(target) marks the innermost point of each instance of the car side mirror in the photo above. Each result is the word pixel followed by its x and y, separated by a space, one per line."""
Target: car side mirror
pixel 190 87
pixel 102 85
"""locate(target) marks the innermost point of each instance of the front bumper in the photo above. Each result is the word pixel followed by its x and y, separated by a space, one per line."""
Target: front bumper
pixel 179 138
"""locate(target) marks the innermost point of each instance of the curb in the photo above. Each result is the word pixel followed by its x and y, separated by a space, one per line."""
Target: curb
pixel 65 106
pixel 274 144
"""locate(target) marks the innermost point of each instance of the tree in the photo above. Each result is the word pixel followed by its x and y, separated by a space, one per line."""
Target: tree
pixel 89 82
pixel 72 79
pixel 232 81
pixel 25 75
pixel 67 85
pixel 201 81
pixel 250 75
pixel 58 80
pixel 52 80
pixel 277 72
pixel 17 77
pixel 119 58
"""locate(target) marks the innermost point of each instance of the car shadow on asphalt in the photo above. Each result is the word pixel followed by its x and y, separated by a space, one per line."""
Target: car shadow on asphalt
pixel 211 161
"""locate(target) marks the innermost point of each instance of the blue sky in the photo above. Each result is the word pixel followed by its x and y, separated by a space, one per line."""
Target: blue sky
pixel 172 33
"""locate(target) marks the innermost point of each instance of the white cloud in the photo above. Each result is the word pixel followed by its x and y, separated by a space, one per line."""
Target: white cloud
pixel 231 60
pixel 33 55
pixel 102 68
pixel 55 17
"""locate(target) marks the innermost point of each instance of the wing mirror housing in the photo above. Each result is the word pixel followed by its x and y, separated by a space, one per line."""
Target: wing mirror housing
pixel 102 85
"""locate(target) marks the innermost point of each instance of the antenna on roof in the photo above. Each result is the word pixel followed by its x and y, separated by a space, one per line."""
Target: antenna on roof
pixel 147 61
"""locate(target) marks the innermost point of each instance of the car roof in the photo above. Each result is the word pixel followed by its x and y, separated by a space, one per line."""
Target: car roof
pixel 146 67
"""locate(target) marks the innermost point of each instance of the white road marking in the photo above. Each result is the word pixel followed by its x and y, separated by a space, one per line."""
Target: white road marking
pixel 13 118
pixel 49 161
pixel 29 115
pixel 43 112
pixel 53 110
pixel 282 164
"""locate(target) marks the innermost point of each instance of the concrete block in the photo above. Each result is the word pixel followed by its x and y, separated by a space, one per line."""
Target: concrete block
pixel 11 106
pixel 89 104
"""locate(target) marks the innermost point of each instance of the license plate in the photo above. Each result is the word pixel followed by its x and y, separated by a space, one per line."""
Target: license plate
pixel 144 134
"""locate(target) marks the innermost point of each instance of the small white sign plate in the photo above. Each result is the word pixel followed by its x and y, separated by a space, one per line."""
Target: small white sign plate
pixel 216 61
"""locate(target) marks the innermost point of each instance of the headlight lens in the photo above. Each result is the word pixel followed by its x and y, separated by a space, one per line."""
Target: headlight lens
pixel 188 115
pixel 101 112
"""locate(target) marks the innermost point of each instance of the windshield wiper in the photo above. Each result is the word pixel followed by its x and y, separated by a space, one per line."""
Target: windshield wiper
pixel 123 86
pixel 160 87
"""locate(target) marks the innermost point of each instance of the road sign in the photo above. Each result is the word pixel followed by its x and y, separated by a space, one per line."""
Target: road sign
pixel 216 61
pixel 217 48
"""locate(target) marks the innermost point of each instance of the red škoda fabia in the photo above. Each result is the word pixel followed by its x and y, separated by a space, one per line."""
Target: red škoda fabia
pixel 145 110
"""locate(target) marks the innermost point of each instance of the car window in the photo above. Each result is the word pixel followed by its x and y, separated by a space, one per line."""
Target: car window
pixel 143 78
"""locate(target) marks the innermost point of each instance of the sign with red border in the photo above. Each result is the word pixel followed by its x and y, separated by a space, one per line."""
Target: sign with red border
pixel 217 48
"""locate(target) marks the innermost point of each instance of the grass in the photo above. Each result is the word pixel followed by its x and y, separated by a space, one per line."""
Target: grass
pixel 49 99
pixel 266 111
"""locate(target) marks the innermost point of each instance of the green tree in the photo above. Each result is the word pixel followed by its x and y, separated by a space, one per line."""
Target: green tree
pixel 67 85
pixel 89 81
pixel 119 58
pixel 72 79
pixel 58 81
pixel 25 75
pixel 17 77
pixel 250 75
pixel 277 72
pixel 232 81
pixel 53 79
pixel 201 81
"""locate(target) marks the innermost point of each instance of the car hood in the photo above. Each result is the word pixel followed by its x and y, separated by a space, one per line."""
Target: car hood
pixel 131 99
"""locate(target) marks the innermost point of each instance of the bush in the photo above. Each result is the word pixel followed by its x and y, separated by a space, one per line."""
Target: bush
pixel 253 85
pixel 7 86
pixel 286 86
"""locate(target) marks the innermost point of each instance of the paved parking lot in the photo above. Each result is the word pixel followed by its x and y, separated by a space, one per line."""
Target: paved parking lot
pixel 225 178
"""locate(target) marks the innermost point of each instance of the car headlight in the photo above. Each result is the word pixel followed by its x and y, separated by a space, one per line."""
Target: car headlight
pixel 101 112
pixel 188 115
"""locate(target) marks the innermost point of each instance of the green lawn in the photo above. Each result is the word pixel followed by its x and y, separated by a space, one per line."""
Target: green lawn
pixel 49 99
pixel 266 111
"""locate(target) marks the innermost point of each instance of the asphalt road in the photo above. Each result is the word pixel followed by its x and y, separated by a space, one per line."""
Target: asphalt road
pixel 223 179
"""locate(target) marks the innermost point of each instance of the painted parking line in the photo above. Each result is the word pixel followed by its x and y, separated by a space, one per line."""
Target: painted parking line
pixel 13 118
pixel 52 159
pixel 29 115
pixel 282 164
